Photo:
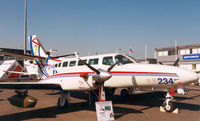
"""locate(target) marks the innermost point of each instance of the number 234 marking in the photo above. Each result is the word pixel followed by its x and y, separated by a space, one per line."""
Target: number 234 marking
pixel 165 81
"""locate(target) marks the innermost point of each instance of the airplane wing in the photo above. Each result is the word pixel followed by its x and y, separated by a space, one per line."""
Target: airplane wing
pixel 29 85
pixel 28 57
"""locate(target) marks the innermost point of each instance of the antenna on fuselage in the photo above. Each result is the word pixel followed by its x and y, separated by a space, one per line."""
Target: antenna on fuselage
pixel 76 54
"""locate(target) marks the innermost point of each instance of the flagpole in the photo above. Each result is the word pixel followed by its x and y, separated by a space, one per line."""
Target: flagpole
pixel 145 54
pixel 25 28
pixel 176 49
pixel 117 50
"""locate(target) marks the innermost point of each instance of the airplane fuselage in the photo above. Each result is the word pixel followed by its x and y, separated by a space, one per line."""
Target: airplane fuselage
pixel 128 73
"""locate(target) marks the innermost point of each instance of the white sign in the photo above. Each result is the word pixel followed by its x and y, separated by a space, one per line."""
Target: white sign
pixel 104 111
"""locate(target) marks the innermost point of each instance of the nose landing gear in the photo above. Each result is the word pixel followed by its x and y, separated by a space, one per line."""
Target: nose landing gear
pixel 168 105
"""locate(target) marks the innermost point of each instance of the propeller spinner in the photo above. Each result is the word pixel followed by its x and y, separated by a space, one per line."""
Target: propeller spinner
pixel 100 77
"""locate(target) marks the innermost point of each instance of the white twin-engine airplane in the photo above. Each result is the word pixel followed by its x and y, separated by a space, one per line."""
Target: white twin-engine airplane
pixel 98 72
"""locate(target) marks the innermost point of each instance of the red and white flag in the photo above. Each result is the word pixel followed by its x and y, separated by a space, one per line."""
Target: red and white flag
pixel 131 50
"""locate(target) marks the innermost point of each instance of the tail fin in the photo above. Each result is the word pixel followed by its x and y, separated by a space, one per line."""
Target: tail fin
pixel 38 50
pixel 36 47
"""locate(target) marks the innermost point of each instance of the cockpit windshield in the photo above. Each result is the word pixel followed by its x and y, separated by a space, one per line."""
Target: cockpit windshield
pixel 122 59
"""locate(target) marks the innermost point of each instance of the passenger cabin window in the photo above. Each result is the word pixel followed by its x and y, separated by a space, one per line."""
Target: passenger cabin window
pixel 93 61
pixel 65 64
pixel 72 63
pixel 108 60
pixel 80 63
pixel 122 59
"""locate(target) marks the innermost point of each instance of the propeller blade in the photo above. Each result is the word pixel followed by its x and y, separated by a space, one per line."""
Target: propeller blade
pixel 89 66
pixel 176 62
pixel 112 66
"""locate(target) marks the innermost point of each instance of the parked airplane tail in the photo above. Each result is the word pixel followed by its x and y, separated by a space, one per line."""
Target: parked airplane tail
pixel 36 47
pixel 10 65
pixel 38 50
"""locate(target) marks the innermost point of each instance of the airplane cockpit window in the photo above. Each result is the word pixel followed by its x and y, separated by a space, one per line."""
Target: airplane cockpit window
pixel 59 65
pixel 80 63
pixel 122 59
pixel 72 63
pixel 93 61
pixel 108 60
pixel 65 64
pixel 56 65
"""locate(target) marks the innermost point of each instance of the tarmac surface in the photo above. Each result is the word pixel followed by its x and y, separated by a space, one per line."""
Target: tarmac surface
pixel 140 107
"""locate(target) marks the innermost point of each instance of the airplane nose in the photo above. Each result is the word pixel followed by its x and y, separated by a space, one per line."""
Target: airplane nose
pixel 194 76
pixel 188 76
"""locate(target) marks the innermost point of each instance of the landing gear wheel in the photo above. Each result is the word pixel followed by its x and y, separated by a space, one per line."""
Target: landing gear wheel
pixel 125 94
pixel 62 104
pixel 169 107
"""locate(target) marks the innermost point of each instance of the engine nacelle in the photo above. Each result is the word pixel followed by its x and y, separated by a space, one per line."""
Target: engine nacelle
pixel 181 91
pixel 23 101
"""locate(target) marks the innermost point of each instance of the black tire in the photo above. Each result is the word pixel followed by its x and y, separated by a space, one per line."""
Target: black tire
pixel 169 108
pixel 124 93
pixel 62 106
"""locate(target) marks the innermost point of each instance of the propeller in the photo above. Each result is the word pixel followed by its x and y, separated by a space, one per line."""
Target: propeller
pixel 175 63
pixel 100 77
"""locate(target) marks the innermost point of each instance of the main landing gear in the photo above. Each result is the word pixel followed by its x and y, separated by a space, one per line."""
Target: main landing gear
pixel 168 105
pixel 125 93
pixel 64 99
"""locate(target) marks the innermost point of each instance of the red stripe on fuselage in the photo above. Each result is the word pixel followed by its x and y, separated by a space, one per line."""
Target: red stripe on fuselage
pixel 55 60
pixel 113 72
pixel 124 72
pixel 74 73
pixel 49 58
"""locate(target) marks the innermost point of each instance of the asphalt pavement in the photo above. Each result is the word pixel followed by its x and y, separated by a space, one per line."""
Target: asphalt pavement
pixel 140 107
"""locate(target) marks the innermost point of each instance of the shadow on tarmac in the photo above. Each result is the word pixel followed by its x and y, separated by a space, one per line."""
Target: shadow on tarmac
pixel 148 100
pixel 185 98
pixel 1 99
pixel 52 112
pixel 152 99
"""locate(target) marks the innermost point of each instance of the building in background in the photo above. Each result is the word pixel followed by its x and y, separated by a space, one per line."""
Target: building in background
pixel 148 61
pixel 189 56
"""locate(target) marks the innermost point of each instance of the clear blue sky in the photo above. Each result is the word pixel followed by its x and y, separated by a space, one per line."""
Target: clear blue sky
pixel 87 26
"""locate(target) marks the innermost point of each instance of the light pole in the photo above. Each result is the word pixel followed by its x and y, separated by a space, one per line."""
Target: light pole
pixel 25 29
